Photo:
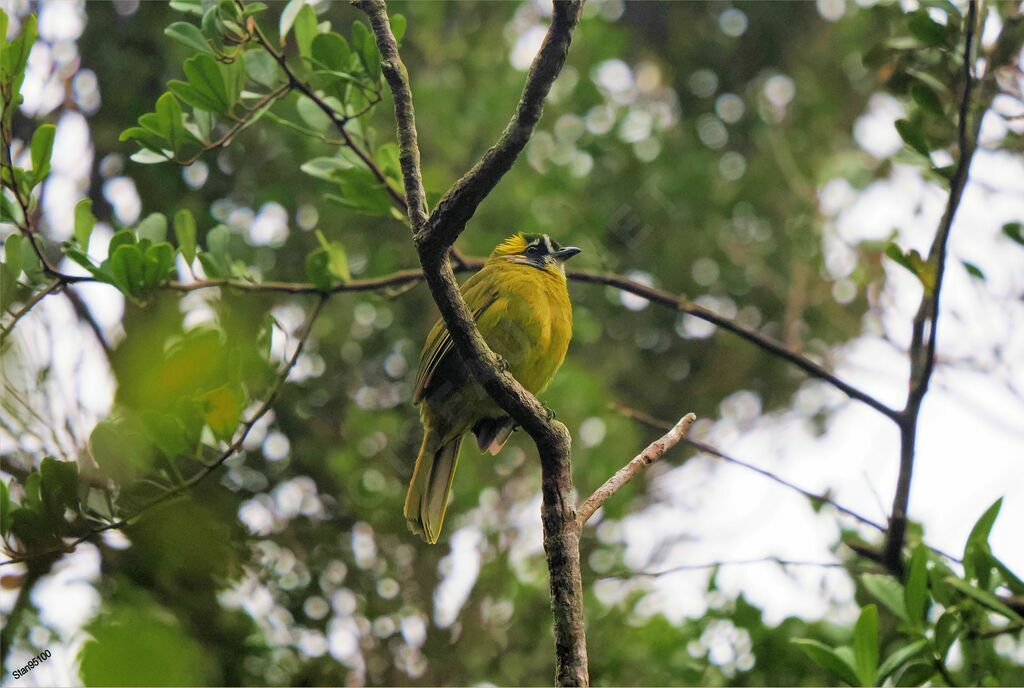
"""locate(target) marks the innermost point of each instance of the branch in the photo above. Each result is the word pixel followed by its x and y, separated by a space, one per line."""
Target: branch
pixel 338 121
pixel 922 346
pixel 434 238
pixel 29 305
pixel 654 451
pixel 207 468
pixel 684 305
pixel 735 562
pixel 460 203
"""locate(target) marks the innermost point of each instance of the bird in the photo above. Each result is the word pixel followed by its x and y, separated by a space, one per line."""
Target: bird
pixel 520 302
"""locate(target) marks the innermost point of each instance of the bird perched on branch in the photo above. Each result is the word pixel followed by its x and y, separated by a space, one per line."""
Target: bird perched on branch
pixel 521 306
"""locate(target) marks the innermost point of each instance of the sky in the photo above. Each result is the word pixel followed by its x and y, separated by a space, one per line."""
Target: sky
pixel 971 437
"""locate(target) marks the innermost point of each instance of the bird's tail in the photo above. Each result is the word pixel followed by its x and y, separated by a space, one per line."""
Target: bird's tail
pixel 427 498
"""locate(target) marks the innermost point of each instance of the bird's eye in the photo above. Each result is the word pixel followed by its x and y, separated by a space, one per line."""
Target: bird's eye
pixel 533 250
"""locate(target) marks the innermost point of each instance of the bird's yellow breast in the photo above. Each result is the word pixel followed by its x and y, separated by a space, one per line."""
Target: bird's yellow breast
pixel 530 323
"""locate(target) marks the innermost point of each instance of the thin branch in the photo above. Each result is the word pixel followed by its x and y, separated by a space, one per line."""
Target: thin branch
pixel 208 468
pixel 926 321
pixel 29 305
pixel 336 119
pixel 460 203
pixel 735 562
pixel 684 305
pixel 654 451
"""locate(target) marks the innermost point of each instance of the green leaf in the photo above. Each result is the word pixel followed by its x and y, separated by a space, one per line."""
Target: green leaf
pixel 900 657
pixel 305 31
pixel 947 628
pixel 318 269
pixel 185 234
pixel 168 111
pixel 188 6
pixel 84 222
pixel 912 261
pixel 58 487
pixel 366 46
pixel 262 68
pixel 1013 582
pixel 926 29
pixel 913 136
pixel 977 551
pixel 207 89
pixel 337 263
pixel 398 26
pixel 916 592
pixel 330 51
pixel 153 227
pixel 158 265
pixel 133 624
pixel 5 503
pixel 234 78
pixel 1014 231
pixel 127 268
pixel 15 58
pixel 865 645
pixel 223 410
pixel 288 16
pixel 916 674
pixel 42 149
pixel 926 99
pixel 985 598
pixel 14 251
pixel 188 35
pixel 973 270
pixel 888 591
pixel 827 658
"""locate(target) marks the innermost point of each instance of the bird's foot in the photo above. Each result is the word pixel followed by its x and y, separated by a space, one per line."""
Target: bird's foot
pixel 550 412
pixel 502 363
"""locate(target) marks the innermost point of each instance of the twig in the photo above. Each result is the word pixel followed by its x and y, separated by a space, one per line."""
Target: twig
pixel 208 468
pixel 338 121
pixel 29 305
pixel 922 347
pixel 735 562
pixel 765 342
pixel 654 451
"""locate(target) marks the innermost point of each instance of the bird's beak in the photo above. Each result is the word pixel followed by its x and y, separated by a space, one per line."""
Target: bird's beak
pixel 566 253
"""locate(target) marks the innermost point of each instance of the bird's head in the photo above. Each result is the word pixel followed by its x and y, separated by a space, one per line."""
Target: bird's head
pixel 535 250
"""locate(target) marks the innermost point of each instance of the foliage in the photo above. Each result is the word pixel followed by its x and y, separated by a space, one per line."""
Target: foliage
pixel 295 568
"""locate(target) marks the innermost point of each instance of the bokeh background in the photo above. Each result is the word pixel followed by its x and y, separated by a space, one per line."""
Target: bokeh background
pixel 743 154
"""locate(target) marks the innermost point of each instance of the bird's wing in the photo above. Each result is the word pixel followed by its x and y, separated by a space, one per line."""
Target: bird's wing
pixel 480 295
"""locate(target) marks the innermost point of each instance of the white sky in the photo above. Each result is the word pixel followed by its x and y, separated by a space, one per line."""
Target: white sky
pixel 970 444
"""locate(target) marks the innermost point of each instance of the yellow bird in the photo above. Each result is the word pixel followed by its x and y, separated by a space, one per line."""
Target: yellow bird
pixel 521 306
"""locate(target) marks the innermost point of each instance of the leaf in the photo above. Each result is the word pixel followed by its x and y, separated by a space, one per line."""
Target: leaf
pixel 288 16
pixel 188 35
pixel 398 26
pixel 169 113
pixel 5 507
pixel 12 67
pixel 926 99
pixel 330 51
pixel 337 258
pixel 888 591
pixel 985 598
pixel 1015 232
pixel 305 31
pixel 224 407
pixel 898 658
pixel 973 270
pixel 1013 582
pixel 206 82
pixel 58 487
pixel 926 29
pixel 261 68
pixel 158 265
pixel 865 645
pixel 153 227
pixel 318 270
pixel 14 250
pixel 84 222
pixel 947 628
pixel 188 6
pixel 42 149
pixel 127 269
pixel 913 136
pixel 185 234
pixel 976 550
pixel 367 48
pixel 827 658
pixel 912 261
pixel 916 592
pixel 916 674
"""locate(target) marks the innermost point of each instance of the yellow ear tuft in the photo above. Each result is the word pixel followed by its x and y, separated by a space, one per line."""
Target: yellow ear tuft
pixel 513 245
